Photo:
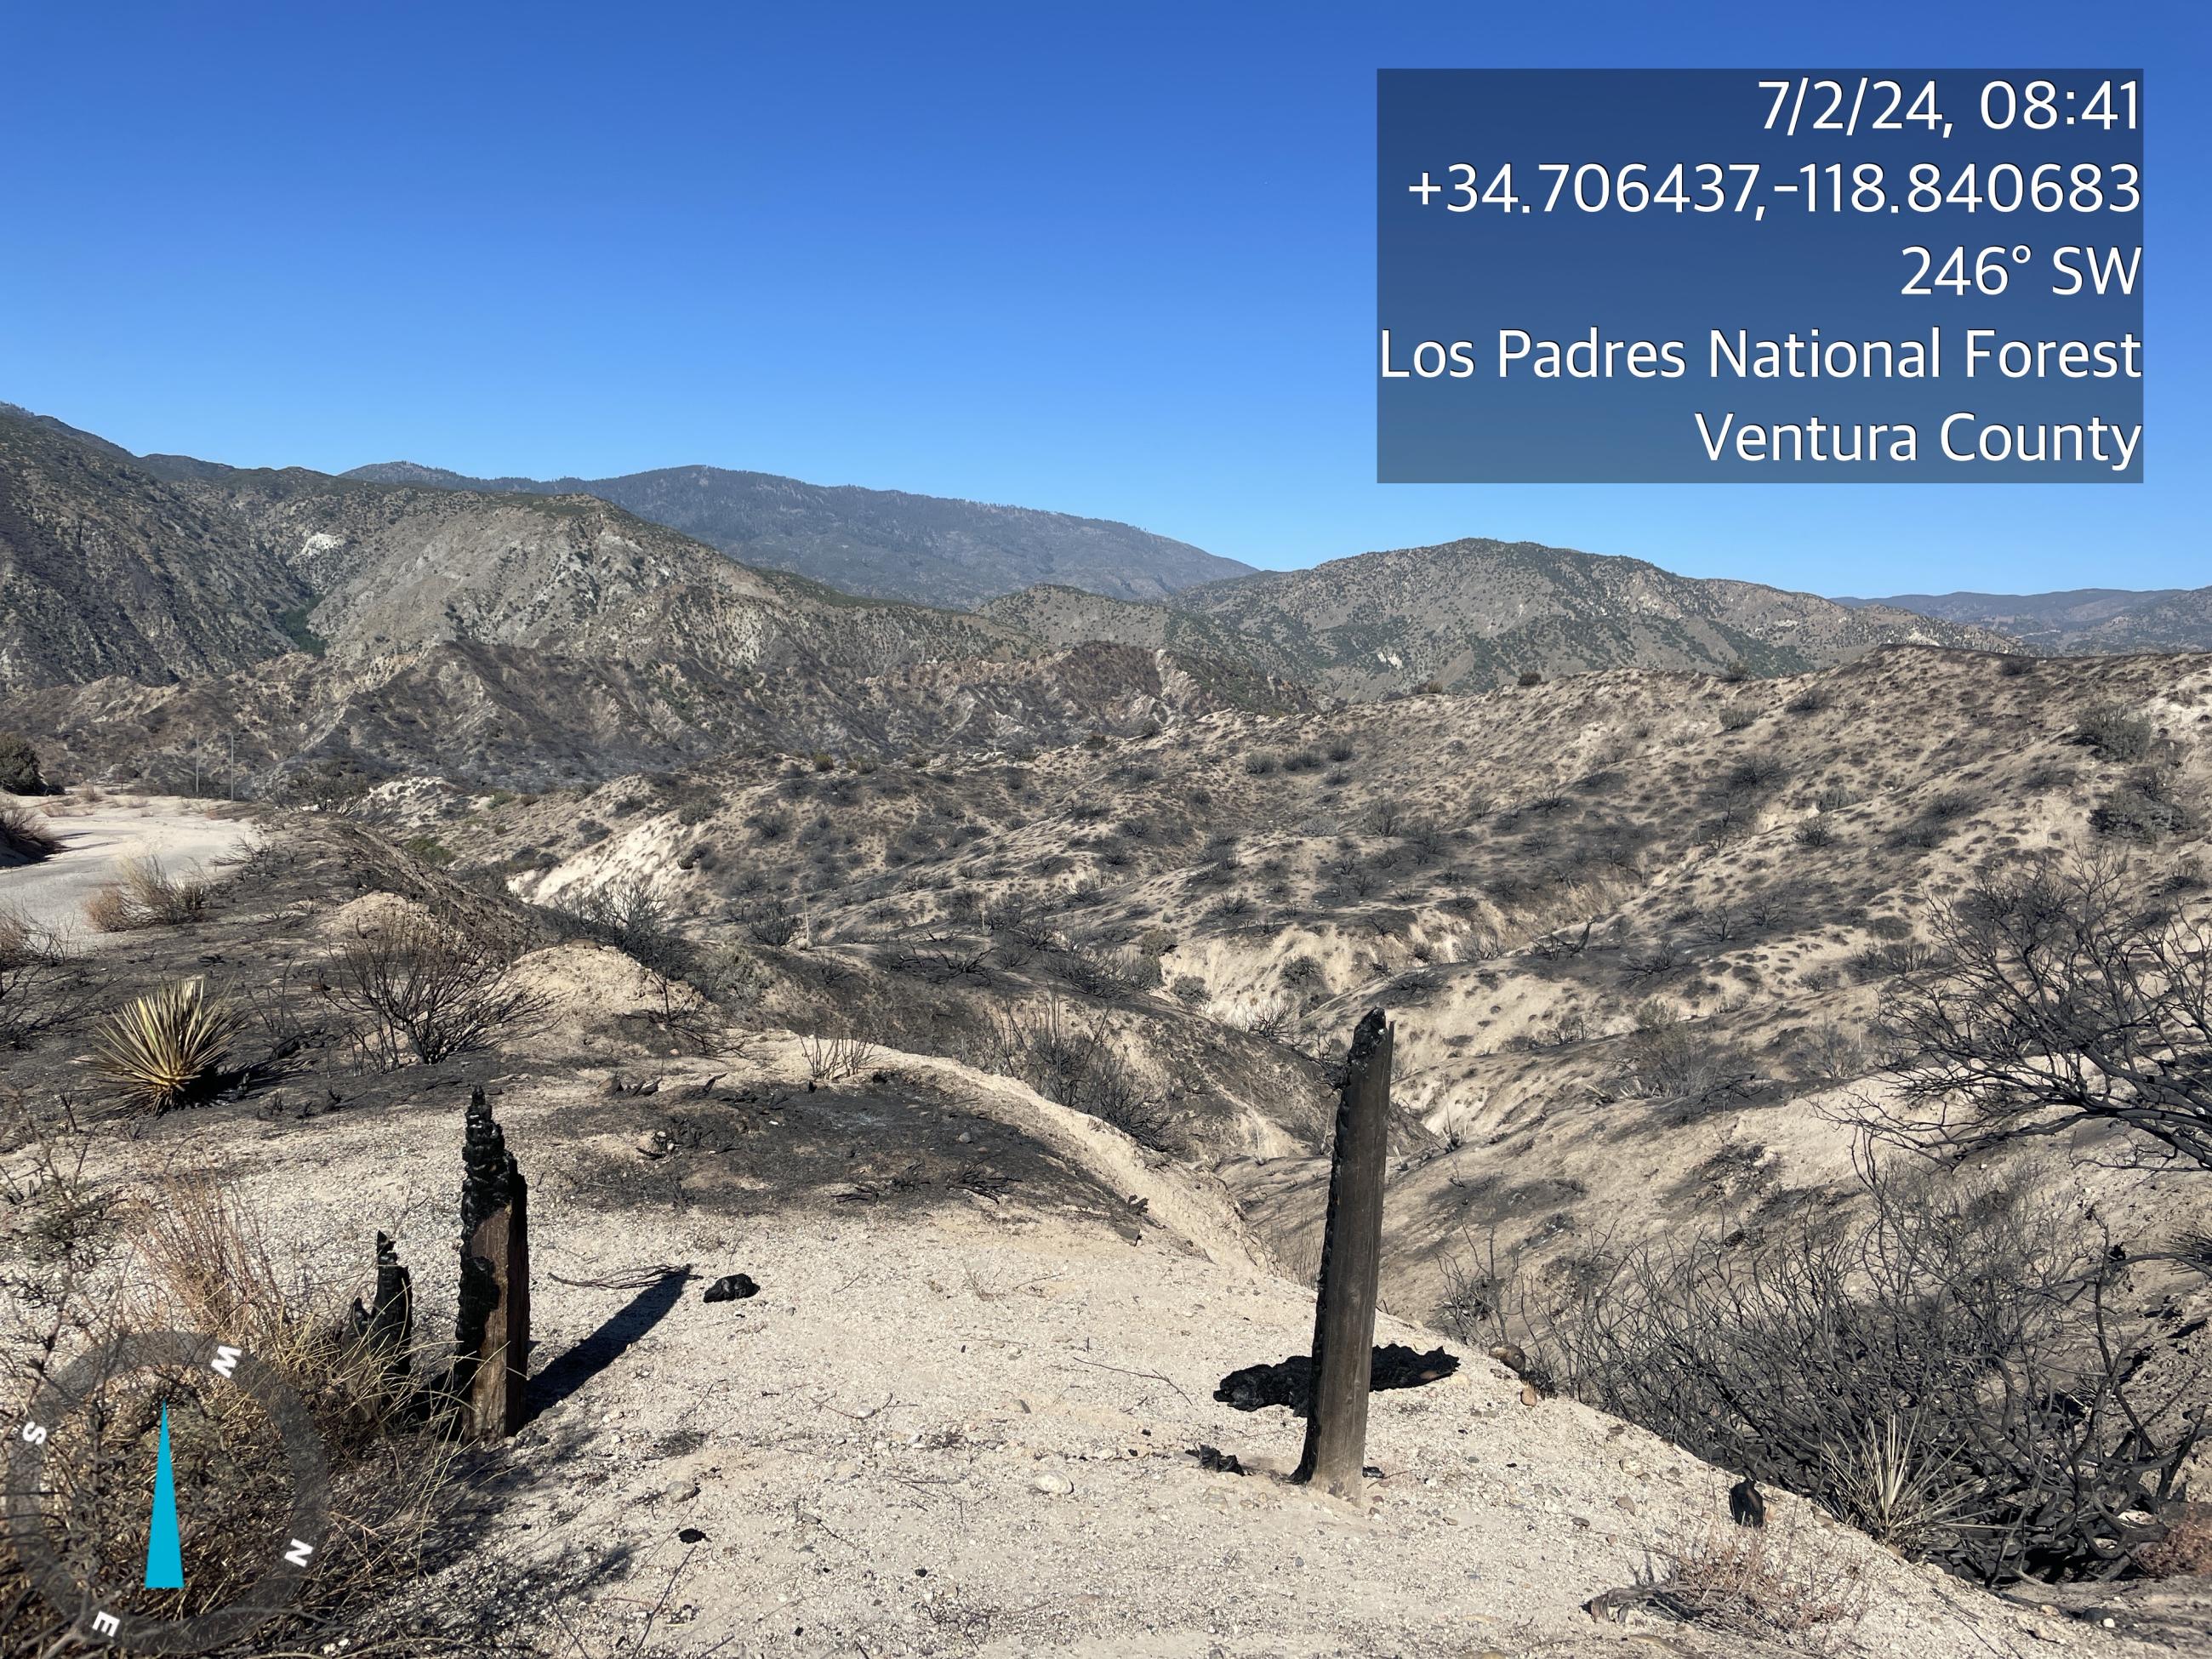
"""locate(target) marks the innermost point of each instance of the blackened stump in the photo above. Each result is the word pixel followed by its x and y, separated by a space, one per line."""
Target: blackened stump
pixel 387 1326
pixel 491 1345
pixel 1351 1262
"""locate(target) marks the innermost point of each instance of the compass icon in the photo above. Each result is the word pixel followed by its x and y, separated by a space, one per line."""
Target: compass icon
pixel 53 1498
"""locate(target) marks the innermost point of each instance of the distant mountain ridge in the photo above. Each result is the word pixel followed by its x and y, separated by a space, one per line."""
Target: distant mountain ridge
pixel 522 638
pixel 2098 620
pixel 1474 614
pixel 879 543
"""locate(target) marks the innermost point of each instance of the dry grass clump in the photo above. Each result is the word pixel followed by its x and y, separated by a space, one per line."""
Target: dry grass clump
pixel 24 837
pixel 144 894
pixel 1761 1586
pixel 2186 1549
pixel 165 1049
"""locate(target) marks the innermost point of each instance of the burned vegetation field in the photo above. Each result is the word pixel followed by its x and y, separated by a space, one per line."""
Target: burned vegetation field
pixel 1800 1150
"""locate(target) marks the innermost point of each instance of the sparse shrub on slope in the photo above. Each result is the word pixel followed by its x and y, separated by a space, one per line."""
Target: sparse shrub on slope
pixel 424 986
pixel 2116 734
pixel 2152 805
pixel 1077 1065
pixel 164 1049
pixel 632 918
pixel 1942 1368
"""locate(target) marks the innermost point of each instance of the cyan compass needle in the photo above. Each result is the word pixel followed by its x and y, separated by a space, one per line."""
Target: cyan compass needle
pixel 164 1559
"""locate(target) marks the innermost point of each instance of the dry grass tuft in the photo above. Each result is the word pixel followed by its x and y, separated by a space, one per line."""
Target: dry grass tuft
pixel 2185 1550
pixel 144 894
pixel 1761 1586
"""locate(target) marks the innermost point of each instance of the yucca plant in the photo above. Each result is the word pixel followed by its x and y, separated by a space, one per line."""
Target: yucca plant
pixel 163 1048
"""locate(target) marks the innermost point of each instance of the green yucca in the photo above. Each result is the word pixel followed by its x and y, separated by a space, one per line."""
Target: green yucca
pixel 163 1046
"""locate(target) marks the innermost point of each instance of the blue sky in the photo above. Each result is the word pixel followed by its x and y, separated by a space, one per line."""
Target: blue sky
pixel 1115 260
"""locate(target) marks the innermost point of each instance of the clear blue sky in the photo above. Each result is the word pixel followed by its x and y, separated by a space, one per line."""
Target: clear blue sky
pixel 1115 260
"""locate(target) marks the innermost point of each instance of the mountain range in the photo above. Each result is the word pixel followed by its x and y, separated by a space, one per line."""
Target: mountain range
pixel 880 543
pixel 401 618
pixel 1473 615
pixel 2080 622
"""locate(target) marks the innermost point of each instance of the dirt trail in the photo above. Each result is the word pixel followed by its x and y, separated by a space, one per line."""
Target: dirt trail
pixel 96 840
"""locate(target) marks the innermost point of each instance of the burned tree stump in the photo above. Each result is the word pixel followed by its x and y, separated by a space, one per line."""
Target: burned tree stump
pixel 491 1346
pixel 386 1326
pixel 1351 1262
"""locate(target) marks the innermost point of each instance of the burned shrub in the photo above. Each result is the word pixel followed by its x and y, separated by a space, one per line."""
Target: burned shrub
pixel 1076 1064
pixel 1942 1366
pixel 2063 997
pixel 2152 805
pixel 425 987
pixel 630 916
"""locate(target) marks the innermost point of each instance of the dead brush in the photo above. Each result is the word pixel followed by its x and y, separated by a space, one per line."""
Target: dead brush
pixel 835 1058
pixel 38 988
pixel 144 894
pixel 164 1049
pixel 1756 1585
pixel 200 1260
pixel 425 987
pixel 24 837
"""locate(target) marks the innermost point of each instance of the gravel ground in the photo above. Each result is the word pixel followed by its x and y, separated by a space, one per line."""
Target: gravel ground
pixel 960 1416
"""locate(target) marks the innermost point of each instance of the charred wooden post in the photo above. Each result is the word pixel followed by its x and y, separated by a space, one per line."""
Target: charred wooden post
pixel 492 1336
pixel 386 1326
pixel 1351 1262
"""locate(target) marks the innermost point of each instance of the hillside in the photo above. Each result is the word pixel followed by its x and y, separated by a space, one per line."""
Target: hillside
pixel 976 1399
pixel 2087 619
pixel 160 569
pixel 1473 615
pixel 508 717
pixel 107 569
pixel 1754 858
pixel 883 544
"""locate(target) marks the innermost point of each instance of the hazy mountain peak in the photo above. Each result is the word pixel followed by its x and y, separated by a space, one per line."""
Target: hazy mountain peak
pixel 880 543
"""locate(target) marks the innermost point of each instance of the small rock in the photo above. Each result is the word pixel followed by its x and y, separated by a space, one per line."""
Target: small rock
pixel 1051 1483
pixel 691 1536
pixel 654 1143
pixel 964 1138
pixel 731 1287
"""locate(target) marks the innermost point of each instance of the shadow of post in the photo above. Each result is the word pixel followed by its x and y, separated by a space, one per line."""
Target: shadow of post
pixel 622 1330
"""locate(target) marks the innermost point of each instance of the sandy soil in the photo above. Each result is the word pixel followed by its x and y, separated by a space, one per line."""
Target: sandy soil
pixel 960 1416
pixel 96 839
